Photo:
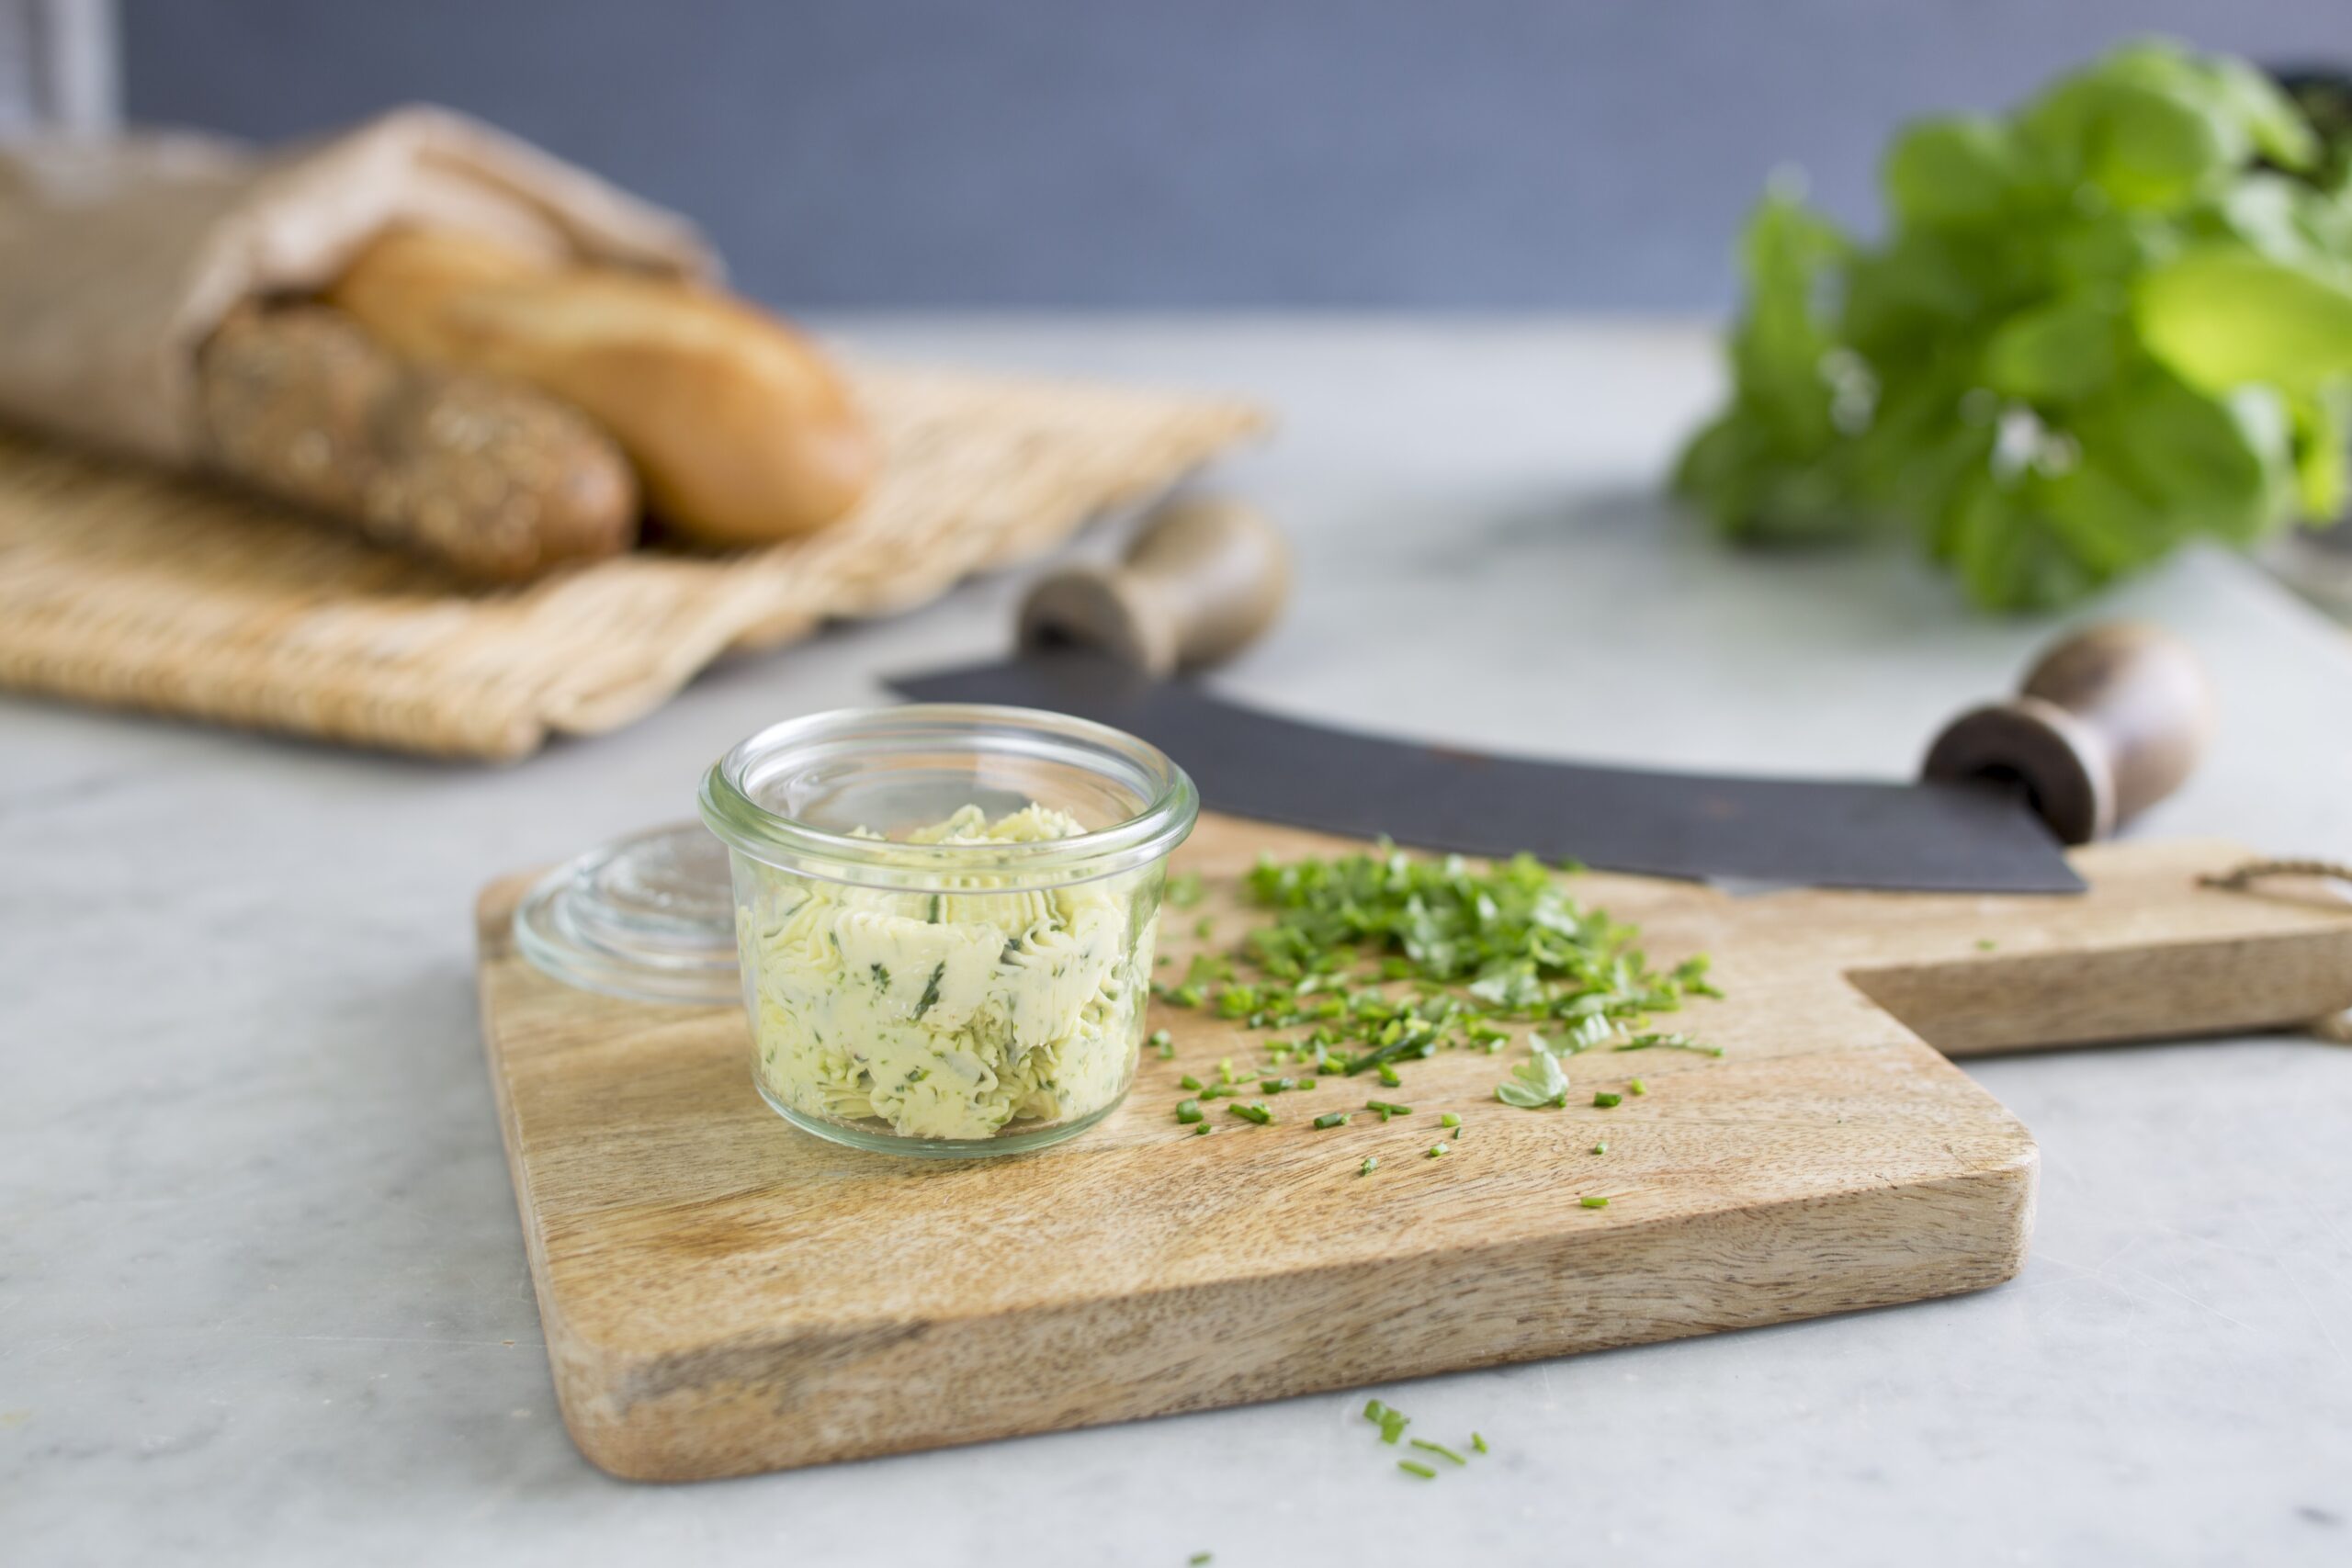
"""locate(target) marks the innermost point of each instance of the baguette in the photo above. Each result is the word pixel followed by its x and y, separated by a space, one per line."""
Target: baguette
pixel 490 477
pixel 740 431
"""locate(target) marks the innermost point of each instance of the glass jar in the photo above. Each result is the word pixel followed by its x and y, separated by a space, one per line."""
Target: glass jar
pixel 945 916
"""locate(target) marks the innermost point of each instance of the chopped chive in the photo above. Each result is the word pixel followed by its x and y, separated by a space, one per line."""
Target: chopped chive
pixel 1594 1202
pixel 1276 1085
pixel 1200 1558
pixel 1438 1151
pixel 1438 1448
pixel 1604 1100
pixel 1409 1468
pixel 1188 1111
pixel 1392 1423
pixel 1306 1083
pixel 1636 1086
pixel 1478 1442
pixel 1335 1118
pixel 1387 1108
pixel 1203 1131
pixel 1253 1113
pixel 1185 996
pixel 1188 1081
pixel 1205 927
pixel 1985 945
pixel 1449 1119
pixel 1388 1075
pixel 1371 1409
pixel 1602 1147
pixel 1371 1164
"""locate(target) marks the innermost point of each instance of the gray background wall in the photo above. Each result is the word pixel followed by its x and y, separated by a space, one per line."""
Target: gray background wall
pixel 1189 153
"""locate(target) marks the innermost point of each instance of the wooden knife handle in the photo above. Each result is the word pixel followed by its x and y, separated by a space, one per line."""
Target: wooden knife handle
pixel 2108 722
pixel 1203 579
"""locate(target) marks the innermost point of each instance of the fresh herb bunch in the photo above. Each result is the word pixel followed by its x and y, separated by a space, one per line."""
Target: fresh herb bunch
pixel 1385 958
pixel 2116 319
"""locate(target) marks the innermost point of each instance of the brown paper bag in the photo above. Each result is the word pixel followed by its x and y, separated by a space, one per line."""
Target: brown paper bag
pixel 119 258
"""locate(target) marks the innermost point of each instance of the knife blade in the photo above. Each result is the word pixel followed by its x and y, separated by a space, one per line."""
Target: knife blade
pixel 1973 836
pixel 2105 723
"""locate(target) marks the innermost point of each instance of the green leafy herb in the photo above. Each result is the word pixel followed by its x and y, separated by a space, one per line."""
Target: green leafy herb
pixel 2113 320
pixel 1535 1083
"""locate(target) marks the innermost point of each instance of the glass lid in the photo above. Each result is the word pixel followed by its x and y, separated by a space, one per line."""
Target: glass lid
pixel 650 916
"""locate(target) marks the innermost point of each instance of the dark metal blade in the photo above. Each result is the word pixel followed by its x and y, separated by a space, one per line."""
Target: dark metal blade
pixel 1947 838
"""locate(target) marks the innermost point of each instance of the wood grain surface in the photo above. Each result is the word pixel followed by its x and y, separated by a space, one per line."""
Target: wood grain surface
pixel 724 1294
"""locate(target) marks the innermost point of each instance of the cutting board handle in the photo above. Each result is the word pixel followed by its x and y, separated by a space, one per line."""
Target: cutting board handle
pixel 2108 722
pixel 1203 579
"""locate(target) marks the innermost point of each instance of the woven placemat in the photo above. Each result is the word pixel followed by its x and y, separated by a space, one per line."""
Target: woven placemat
pixel 139 590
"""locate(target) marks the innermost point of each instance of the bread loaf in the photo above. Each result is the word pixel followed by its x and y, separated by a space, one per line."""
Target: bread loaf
pixel 487 476
pixel 740 430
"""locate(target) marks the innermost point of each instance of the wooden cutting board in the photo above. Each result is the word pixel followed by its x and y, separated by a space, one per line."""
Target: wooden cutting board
pixel 723 1294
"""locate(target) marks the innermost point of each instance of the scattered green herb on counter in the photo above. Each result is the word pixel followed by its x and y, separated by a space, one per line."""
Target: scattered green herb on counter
pixel 1478 1442
pixel 1189 1081
pixel 2113 320
pixel 1413 1467
pixel 1602 1147
pixel 1335 1118
pixel 1205 927
pixel 1199 1559
pixel 1448 1119
pixel 1384 1109
pixel 1594 1202
pixel 1438 1448
pixel 1188 1109
pixel 1607 1100
pixel 1253 1113
pixel 1203 1131
pixel 1371 1164
pixel 1163 1043
pixel 1391 1421
pixel 1985 945
pixel 1670 1043
pixel 1636 1086
pixel 1438 1151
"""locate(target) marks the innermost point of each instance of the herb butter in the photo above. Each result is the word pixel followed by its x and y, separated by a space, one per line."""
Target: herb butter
pixel 949 1014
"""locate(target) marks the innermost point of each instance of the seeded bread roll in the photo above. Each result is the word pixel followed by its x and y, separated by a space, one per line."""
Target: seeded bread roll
pixel 484 475
pixel 740 430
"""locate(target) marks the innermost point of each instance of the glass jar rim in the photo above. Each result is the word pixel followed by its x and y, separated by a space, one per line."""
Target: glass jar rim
pixel 1163 821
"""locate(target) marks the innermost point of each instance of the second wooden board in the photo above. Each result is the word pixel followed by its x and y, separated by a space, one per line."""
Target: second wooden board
pixel 723 1294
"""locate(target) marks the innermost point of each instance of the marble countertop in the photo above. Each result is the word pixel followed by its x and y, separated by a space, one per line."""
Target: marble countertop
pixel 262 1289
